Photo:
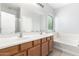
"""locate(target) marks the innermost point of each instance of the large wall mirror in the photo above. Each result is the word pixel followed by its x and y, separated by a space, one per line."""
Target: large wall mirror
pixel 9 19
pixel 7 23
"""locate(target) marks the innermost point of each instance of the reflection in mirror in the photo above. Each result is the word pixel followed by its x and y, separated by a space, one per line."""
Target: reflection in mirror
pixel 26 24
pixel 9 19
pixel 7 23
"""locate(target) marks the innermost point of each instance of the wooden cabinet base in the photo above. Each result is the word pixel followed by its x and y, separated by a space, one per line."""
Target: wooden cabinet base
pixel 25 46
pixel 44 49
pixel 21 54
pixel 34 51
pixel 9 51
pixel 50 45
pixel 40 47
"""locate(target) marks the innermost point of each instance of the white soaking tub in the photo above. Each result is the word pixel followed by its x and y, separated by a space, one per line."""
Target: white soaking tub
pixel 68 42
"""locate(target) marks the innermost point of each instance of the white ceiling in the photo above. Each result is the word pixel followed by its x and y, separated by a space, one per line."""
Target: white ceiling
pixel 57 5
pixel 53 5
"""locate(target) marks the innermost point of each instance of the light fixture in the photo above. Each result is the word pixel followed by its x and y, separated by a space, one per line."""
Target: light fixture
pixel 41 5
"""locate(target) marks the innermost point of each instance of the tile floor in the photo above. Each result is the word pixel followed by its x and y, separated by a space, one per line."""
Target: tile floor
pixel 57 52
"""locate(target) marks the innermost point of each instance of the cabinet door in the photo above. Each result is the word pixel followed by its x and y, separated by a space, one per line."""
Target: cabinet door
pixel 21 54
pixel 51 37
pixel 9 51
pixel 50 45
pixel 44 49
pixel 37 42
pixel 43 40
pixel 34 51
pixel 48 38
pixel 26 46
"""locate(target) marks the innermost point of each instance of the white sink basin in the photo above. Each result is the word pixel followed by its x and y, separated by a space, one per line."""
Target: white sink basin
pixel 30 36
pixel 4 41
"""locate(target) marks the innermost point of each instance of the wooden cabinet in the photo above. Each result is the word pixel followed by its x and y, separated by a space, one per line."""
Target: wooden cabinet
pixel 48 38
pixel 9 51
pixel 43 40
pixel 37 42
pixel 37 47
pixel 21 54
pixel 34 51
pixel 44 49
pixel 50 45
pixel 51 37
pixel 25 46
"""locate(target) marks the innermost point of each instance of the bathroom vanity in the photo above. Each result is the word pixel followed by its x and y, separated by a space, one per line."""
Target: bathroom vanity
pixel 40 46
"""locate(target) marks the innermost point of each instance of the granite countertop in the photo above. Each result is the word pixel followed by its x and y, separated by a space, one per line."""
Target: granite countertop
pixel 5 43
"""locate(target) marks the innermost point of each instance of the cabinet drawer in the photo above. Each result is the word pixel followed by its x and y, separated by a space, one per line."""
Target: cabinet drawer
pixel 21 54
pixel 34 51
pixel 25 46
pixel 37 42
pixel 9 51
pixel 44 40
pixel 48 38
pixel 44 49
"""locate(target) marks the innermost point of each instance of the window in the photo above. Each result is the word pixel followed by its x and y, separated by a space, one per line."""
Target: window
pixel 50 23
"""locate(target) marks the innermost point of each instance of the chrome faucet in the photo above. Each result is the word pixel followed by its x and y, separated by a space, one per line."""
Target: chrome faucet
pixel 41 32
pixel 20 34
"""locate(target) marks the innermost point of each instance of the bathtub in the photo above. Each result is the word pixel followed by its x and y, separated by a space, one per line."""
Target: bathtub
pixel 67 42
